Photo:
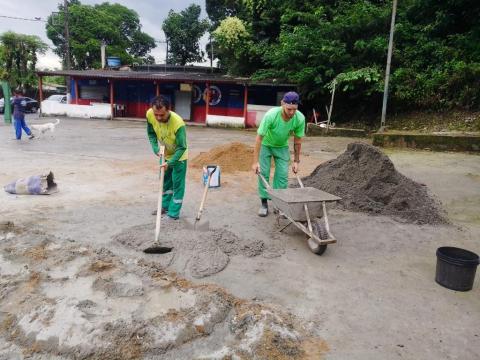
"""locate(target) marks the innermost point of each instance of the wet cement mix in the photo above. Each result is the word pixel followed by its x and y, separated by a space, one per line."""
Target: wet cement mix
pixel 61 300
pixel 231 157
pixel 195 253
pixel 367 181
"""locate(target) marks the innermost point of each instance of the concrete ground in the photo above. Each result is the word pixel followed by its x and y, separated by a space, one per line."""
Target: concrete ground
pixel 370 296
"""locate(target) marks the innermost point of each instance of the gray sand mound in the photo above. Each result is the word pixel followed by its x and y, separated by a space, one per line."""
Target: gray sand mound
pixel 367 181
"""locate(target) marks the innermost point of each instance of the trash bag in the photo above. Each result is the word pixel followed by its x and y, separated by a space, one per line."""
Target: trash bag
pixel 33 185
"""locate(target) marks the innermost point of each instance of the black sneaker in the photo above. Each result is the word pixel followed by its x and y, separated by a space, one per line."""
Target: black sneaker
pixel 31 136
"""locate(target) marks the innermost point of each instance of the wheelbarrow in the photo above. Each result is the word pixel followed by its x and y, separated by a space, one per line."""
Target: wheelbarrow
pixel 300 206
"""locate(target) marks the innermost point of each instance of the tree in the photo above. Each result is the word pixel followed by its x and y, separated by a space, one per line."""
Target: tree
pixel 219 10
pixel 115 25
pixel 183 32
pixel 435 64
pixel 234 45
pixel 18 58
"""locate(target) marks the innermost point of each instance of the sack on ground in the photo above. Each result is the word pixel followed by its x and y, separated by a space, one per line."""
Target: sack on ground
pixel 33 185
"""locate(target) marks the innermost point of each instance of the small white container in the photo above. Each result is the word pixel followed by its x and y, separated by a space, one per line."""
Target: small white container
pixel 215 179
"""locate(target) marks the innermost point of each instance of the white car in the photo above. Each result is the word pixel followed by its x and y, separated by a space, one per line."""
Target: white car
pixel 62 99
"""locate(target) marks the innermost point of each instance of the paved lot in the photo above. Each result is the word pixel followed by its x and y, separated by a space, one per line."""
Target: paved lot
pixel 370 296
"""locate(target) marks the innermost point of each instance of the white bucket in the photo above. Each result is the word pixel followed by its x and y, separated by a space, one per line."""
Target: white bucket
pixel 215 179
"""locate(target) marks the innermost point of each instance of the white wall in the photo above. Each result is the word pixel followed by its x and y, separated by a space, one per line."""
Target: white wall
pixel 259 111
pixel 225 121
pixel 93 111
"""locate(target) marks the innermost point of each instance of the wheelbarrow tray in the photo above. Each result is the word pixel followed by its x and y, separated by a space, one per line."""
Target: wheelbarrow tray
pixel 290 201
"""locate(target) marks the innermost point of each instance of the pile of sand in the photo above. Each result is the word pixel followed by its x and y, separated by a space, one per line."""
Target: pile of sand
pixel 367 181
pixel 231 157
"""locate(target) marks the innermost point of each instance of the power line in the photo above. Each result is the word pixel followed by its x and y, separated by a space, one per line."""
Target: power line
pixel 37 19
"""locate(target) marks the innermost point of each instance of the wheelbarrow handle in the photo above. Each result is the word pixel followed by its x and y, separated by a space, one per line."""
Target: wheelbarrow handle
pixel 299 180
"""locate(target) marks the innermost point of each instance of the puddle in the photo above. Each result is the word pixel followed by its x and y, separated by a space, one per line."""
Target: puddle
pixel 159 302
pixel 80 289
pixel 62 321
pixel 10 268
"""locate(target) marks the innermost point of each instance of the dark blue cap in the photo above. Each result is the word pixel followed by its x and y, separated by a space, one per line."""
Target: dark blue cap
pixel 291 97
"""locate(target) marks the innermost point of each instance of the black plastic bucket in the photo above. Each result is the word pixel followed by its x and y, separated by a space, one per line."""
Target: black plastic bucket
pixel 456 268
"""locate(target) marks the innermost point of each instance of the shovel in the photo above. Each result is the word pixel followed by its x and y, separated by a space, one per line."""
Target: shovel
pixel 156 248
pixel 197 224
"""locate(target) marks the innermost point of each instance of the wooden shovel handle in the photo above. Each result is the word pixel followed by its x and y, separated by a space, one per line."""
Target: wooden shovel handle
pixel 204 196
pixel 160 193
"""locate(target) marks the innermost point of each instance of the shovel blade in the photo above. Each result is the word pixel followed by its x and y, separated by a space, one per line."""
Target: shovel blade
pixel 197 225
pixel 156 248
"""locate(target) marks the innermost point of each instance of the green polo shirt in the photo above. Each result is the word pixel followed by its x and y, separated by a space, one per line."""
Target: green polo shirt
pixel 276 131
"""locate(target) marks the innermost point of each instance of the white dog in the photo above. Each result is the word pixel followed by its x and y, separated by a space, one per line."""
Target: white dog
pixel 43 128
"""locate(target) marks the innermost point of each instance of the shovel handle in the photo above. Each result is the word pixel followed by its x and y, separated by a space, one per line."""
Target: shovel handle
pixel 204 196
pixel 160 193
pixel 265 182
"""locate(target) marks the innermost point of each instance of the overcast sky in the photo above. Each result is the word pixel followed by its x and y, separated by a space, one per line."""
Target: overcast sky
pixel 151 13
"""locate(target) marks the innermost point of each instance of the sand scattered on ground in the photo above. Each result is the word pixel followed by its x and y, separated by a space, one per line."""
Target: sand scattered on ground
pixel 136 309
pixel 231 157
pixel 367 181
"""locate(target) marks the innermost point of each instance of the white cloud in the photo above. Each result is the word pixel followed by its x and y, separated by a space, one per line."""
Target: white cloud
pixel 49 61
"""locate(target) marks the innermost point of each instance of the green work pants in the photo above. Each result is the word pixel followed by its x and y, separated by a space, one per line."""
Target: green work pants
pixel 174 188
pixel 281 157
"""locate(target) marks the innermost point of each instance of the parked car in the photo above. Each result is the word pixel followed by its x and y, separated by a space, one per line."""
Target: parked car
pixel 31 105
pixel 61 98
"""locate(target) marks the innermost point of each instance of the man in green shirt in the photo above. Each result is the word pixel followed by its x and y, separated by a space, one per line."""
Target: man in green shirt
pixel 276 127
pixel 167 128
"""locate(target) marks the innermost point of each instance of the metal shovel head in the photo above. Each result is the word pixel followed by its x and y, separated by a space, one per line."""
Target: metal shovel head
pixel 197 224
pixel 156 248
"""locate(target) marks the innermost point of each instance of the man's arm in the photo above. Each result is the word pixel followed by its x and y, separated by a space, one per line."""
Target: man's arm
pixel 256 152
pixel 181 142
pixel 152 137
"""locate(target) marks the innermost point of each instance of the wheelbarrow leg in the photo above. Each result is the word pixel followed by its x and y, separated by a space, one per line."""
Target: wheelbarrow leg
pixel 283 228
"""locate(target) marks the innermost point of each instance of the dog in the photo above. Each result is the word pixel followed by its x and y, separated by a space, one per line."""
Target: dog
pixel 43 128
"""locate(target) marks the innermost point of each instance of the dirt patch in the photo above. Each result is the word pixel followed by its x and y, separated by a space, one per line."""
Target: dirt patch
pixel 367 181
pixel 99 266
pixel 195 253
pixel 38 252
pixel 231 157
pixel 140 310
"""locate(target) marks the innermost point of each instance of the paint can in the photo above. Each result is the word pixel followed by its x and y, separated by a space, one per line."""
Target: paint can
pixel 215 179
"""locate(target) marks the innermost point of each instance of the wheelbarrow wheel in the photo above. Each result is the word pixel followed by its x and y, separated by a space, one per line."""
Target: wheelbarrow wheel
pixel 320 230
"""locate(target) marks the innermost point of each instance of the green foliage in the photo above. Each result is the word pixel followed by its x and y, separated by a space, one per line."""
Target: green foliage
pixel 18 58
pixel 350 81
pixel 117 26
pixel 218 10
pixel 435 64
pixel 58 80
pixel 183 32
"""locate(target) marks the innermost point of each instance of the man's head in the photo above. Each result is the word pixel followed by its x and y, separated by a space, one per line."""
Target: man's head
pixel 18 92
pixel 161 108
pixel 290 104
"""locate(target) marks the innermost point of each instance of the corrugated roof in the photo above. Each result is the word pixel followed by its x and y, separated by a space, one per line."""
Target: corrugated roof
pixel 165 76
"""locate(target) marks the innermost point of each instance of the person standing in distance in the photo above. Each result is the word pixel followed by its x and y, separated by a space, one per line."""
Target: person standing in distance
pixel 19 103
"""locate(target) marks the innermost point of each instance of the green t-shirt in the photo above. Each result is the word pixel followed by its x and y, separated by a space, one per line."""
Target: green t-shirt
pixel 276 131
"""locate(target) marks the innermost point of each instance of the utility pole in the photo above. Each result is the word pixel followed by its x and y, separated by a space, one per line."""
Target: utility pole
pixel 67 49
pixel 387 70
pixel 211 57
